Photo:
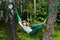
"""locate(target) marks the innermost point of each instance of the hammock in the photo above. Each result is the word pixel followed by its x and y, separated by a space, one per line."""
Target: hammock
pixel 54 5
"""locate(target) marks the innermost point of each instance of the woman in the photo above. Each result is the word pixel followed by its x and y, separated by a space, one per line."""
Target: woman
pixel 29 30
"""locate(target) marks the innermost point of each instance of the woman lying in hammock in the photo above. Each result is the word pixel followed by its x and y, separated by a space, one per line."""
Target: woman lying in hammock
pixel 28 29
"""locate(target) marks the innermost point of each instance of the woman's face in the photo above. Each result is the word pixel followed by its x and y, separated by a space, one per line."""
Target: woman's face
pixel 24 23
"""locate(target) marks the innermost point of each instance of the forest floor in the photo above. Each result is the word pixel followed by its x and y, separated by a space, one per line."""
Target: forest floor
pixel 57 32
pixel 38 36
pixel 27 37
pixel 57 35
pixel 4 34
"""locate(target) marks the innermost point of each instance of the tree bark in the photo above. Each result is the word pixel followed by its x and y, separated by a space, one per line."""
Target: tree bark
pixel 12 24
pixel 35 7
pixel 2 12
pixel 48 35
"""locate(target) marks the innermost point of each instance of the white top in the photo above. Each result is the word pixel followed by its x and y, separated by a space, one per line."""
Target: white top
pixel 26 28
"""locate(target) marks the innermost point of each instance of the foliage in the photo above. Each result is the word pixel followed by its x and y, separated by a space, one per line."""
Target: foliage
pixel 28 8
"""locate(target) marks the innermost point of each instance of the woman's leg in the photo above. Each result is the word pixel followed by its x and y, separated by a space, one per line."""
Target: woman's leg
pixel 37 26
pixel 35 29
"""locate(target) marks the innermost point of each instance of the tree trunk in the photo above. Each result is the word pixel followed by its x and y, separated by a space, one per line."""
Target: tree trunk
pixel 2 12
pixel 35 7
pixel 48 35
pixel 21 7
pixel 12 24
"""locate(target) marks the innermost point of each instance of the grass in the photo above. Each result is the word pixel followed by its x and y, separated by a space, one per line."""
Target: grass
pixel 25 36
pixel 57 35
pixel 38 36
pixel 57 32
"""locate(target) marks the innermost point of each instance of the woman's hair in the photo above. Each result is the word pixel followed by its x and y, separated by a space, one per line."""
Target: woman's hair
pixel 24 21
pixel 27 24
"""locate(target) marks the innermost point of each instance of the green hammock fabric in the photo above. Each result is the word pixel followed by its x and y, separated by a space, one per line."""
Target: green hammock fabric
pixel 54 5
pixel 35 29
pixel 18 16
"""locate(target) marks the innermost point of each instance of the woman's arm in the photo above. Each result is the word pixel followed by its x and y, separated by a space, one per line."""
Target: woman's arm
pixel 20 24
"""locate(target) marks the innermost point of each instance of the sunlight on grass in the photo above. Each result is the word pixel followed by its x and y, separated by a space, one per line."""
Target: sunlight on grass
pixel 57 37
